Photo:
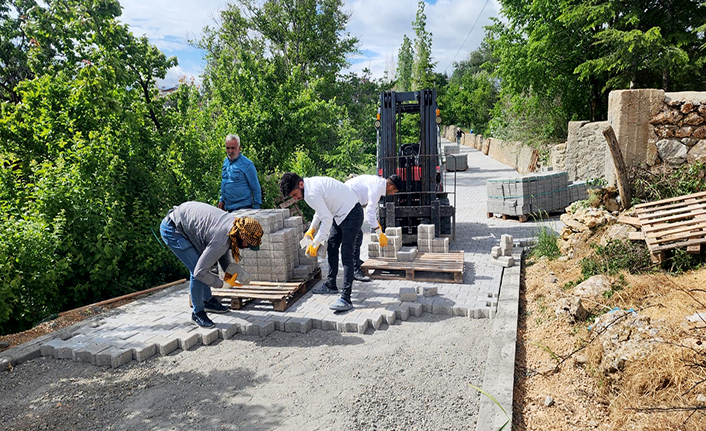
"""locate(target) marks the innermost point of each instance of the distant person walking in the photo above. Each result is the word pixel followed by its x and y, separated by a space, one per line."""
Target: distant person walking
pixel 201 235
pixel 459 135
pixel 240 187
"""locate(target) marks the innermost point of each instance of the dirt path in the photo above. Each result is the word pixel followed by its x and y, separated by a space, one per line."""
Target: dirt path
pixel 414 375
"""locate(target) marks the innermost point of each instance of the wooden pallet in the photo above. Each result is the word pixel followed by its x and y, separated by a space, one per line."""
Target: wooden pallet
pixel 282 295
pixel 435 267
pixel 673 223
pixel 519 218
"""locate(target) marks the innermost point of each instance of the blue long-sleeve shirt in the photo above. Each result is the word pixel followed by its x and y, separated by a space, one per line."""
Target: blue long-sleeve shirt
pixel 240 187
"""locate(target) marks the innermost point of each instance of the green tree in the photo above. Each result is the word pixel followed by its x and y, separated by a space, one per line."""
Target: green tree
pixel 405 63
pixel 83 173
pixel 14 47
pixel 423 69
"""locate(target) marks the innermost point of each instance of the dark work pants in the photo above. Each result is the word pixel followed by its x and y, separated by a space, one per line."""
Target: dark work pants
pixel 343 237
pixel 356 250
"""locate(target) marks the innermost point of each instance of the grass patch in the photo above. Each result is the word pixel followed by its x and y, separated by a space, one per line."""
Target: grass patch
pixel 546 244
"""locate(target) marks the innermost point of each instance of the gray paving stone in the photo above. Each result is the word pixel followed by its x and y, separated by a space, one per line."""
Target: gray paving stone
pixel 298 324
pixel 187 339
pixel 113 357
pixel 164 345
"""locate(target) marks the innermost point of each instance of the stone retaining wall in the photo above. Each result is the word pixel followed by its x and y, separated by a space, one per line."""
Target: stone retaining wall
pixel 652 127
pixel 522 157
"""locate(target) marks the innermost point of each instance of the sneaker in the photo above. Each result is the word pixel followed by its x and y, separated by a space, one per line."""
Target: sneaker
pixel 201 319
pixel 213 305
pixel 341 305
pixel 360 276
pixel 325 289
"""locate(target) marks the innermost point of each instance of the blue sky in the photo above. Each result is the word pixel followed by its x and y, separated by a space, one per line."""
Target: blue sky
pixel 380 25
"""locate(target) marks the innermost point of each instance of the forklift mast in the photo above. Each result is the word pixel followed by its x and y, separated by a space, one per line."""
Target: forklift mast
pixel 423 199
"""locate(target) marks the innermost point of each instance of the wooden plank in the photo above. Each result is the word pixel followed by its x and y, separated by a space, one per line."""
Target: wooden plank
pixel 696 222
pixel 685 211
pixel 434 267
pixel 632 221
pixel 694 249
pixel 690 201
pixel 620 169
pixel 680 244
pixel 679 217
pixel 636 236
pixel 666 201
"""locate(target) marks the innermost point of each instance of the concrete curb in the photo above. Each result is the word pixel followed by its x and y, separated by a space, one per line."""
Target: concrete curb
pixel 499 376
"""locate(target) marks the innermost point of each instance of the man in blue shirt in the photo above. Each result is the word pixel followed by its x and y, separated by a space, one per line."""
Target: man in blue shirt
pixel 240 187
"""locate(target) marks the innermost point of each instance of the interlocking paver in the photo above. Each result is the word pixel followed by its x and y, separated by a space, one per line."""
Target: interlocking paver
pixel 162 324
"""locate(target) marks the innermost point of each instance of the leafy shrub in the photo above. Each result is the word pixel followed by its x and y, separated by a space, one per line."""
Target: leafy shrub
pixel 664 182
pixel 546 244
pixel 615 256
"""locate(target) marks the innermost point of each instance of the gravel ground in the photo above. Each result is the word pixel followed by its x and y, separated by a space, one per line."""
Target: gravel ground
pixel 413 375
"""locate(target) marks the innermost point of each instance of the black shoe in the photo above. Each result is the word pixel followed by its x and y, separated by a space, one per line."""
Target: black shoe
pixel 325 289
pixel 201 319
pixel 213 305
pixel 360 276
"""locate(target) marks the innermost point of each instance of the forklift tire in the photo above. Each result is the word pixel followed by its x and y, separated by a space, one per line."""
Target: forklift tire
pixel 445 222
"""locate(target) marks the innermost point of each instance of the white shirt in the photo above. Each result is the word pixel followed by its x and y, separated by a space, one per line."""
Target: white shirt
pixel 369 189
pixel 331 199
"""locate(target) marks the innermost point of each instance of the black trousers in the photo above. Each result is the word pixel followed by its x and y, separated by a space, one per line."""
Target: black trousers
pixel 343 237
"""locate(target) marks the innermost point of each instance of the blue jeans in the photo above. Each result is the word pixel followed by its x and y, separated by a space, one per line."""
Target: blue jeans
pixel 187 254
pixel 343 236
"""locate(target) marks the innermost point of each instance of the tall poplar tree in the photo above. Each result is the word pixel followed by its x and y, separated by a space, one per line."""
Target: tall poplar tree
pixel 423 69
pixel 405 62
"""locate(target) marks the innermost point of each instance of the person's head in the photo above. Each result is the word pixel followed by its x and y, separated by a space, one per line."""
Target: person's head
pixel 232 147
pixel 245 232
pixel 292 185
pixel 394 184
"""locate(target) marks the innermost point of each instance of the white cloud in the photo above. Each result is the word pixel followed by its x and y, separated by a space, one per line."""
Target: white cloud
pixel 379 25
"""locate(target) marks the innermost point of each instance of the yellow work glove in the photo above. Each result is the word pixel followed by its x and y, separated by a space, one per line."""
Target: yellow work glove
pixel 310 233
pixel 312 250
pixel 382 239
pixel 230 280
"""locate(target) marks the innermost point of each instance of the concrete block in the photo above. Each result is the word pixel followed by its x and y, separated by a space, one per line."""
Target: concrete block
pixel 504 261
pixel 393 232
pixel 330 322
pixel 88 352
pixel 293 222
pixel 442 308
pixel 389 316
pixel 47 349
pixel 5 363
pixel 408 294
pixel 186 339
pixel 353 324
pixel 440 245
pixel 495 251
pixel 141 350
pixel 430 290
pixel 279 321
pixel 424 245
pixel 374 320
pixel 113 357
pixel 373 250
pixel 164 345
pixel 415 309
pixel 426 231
pixel 208 335
pixel 407 254
pixel 302 271
pixel 298 324
pixel 401 311
pixel 263 327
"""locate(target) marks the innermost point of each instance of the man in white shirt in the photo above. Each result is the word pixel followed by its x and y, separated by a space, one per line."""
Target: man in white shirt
pixel 369 189
pixel 340 216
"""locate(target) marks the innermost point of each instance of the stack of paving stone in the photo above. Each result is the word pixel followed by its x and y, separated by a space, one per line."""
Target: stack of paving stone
pixel 578 191
pixel 280 258
pixel 394 244
pixel 454 160
pixel 532 194
pixel 502 254
pixel 427 241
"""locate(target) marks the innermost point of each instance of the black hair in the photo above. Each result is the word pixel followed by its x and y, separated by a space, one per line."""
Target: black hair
pixel 289 182
pixel 397 182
